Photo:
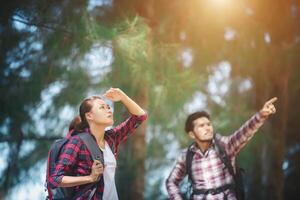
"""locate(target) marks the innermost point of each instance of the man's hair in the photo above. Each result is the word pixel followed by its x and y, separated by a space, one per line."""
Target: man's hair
pixel 189 125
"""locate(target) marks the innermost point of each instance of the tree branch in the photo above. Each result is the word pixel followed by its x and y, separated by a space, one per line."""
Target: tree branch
pixel 41 25
pixel 7 138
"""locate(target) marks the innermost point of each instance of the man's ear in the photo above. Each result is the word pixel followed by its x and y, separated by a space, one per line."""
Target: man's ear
pixel 191 135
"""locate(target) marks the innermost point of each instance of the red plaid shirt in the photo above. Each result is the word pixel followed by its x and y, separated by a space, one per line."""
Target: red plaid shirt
pixel 208 171
pixel 76 160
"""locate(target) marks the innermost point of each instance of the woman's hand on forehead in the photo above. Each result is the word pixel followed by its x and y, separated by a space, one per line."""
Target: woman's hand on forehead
pixel 114 94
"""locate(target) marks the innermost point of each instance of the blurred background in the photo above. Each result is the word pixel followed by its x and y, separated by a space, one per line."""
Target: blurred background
pixel 173 57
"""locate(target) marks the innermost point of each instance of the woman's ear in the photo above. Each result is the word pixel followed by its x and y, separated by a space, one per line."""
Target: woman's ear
pixel 88 116
pixel 191 135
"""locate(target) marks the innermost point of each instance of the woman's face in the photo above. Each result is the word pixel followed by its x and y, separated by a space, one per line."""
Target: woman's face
pixel 100 113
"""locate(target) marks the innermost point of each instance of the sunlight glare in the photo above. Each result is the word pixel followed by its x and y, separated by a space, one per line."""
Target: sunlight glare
pixel 220 3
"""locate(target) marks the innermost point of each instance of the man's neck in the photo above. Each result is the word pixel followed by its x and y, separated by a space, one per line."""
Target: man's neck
pixel 204 145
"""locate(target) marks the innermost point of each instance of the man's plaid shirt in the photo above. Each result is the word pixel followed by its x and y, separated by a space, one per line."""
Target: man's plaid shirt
pixel 207 169
pixel 76 160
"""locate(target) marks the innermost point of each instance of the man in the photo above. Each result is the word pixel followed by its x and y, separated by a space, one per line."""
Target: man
pixel 211 179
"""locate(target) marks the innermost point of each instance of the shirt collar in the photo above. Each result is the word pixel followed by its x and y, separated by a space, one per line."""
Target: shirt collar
pixel 194 147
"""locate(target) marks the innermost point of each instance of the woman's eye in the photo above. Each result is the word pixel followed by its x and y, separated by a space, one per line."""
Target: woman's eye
pixel 105 107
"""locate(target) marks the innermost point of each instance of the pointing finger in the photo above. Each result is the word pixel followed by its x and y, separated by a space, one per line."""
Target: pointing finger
pixel 271 101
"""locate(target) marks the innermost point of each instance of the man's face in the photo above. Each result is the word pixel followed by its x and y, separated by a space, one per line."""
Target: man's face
pixel 203 130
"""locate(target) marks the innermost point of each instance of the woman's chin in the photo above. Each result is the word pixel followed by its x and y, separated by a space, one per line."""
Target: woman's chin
pixel 106 123
pixel 110 123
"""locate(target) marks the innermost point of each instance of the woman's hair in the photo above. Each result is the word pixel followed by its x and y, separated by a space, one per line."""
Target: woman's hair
pixel 189 123
pixel 79 123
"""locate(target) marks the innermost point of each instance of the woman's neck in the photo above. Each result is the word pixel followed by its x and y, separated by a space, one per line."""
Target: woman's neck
pixel 98 131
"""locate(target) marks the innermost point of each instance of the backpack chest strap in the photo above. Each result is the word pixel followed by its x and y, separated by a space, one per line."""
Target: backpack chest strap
pixel 213 191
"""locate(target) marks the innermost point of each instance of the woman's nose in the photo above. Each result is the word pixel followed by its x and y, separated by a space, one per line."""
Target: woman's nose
pixel 109 110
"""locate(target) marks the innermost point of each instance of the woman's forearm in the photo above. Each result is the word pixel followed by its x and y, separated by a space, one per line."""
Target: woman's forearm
pixel 132 107
pixel 115 94
pixel 71 181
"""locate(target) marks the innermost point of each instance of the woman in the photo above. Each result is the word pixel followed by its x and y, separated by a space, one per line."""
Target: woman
pixel 76 168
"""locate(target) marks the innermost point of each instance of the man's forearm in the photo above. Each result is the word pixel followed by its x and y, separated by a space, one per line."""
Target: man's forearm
pixel 173 191
pixel 243 135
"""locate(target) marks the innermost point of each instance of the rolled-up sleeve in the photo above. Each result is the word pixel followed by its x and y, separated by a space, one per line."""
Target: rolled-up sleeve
pixel 176 176
pixel 128 126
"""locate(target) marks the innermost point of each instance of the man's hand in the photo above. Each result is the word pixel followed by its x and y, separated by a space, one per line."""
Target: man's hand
pixel 97 171
pixel 268 108
pixel 114 94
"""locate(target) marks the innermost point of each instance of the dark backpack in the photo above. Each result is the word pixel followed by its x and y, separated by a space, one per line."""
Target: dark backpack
pixel 64 193
pixel 237 177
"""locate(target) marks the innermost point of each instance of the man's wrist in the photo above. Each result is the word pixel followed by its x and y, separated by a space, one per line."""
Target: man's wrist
pixel 262 115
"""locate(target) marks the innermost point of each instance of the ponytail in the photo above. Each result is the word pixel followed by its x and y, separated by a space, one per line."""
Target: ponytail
pixel 77 124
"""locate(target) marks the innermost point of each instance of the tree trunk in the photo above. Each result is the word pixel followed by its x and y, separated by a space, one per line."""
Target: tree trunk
pixel 138 150
pixel 11 171
pixel 131 162
pixel 273 179
pixel 280 132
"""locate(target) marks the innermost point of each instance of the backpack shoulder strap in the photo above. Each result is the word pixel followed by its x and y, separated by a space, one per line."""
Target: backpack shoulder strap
pixel 188 163
pixel 224 157
pixel 237 177
pixel 92 146
pixel 96 153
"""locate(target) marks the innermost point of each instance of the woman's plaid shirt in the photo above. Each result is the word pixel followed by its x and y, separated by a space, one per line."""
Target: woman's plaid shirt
pixel 207 169
pixel 76 160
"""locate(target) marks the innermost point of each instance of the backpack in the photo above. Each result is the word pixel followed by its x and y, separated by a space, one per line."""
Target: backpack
pixel 64 193
pixel 237 177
